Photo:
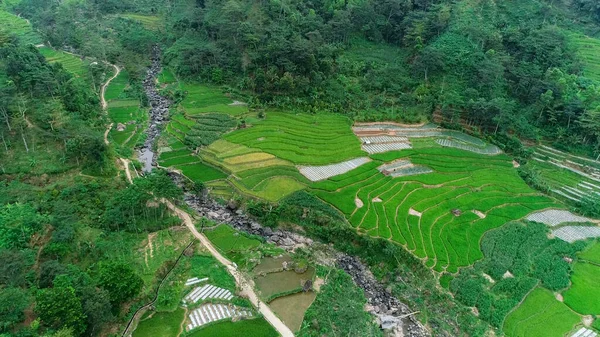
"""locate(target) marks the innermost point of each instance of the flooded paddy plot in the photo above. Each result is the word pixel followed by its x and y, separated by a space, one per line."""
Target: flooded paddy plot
pixel 291 308
pixel 271 264
pixel 283 282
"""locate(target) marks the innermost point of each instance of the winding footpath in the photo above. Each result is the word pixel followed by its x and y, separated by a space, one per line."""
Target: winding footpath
pixel 103 100
pixel 242 282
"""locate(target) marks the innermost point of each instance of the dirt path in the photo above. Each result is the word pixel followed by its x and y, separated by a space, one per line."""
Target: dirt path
pixel 127 172
pixel 246 286
pixel 108 128
pixel 103 89
pixel 104 103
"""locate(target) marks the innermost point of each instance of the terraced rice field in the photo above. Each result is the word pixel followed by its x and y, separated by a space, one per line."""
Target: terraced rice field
pixel 227 239
pixel 124 111
pixel 253 172
pixel 571 177
pixel 201 99
pixel 432 214
pixel 149 22
pixel 73 64
pixel 302 139
pixel 584 292
pixel 592 253
pixel 540 315
pixel 588 49
pixel 14 25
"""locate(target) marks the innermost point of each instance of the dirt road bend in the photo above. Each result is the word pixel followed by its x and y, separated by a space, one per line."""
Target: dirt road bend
pixel 103 89
pixel 244 284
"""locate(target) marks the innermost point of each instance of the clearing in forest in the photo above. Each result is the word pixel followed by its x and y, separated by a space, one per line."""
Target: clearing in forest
pixel 540 315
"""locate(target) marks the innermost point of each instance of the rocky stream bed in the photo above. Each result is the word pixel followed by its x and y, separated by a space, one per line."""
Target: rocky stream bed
pixel 159 112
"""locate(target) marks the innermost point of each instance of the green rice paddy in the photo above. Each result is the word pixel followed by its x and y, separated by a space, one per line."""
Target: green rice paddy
pixel 124 110
pixel 149 22
pixel 540 315
pixel 254 172
pixel 201 99
pixel 229 240
pixel 588 49
pixel 302 139
pixel 71 63
pixel 592 253
pixel 462 182
pixel 257 327
pixel 160 324
pixel 14 25
pixel 584 294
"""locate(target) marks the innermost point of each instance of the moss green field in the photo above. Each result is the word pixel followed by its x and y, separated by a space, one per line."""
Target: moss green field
pixel 540 315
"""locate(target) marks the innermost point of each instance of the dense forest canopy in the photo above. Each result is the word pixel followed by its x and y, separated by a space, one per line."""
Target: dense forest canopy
pixel 508 66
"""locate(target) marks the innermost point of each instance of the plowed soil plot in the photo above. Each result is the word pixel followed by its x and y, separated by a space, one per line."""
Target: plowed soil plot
pixel 447 234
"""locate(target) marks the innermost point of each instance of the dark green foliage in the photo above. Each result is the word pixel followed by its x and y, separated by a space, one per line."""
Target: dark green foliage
pixel 127 209
pixel 60 307
pixel 120 280
pixel 533 178
pixel 15 266
pixel 526 252
pixel 306 202
pixel 17 223
pixel 13 302
pixel 338 310
pixel 590 206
